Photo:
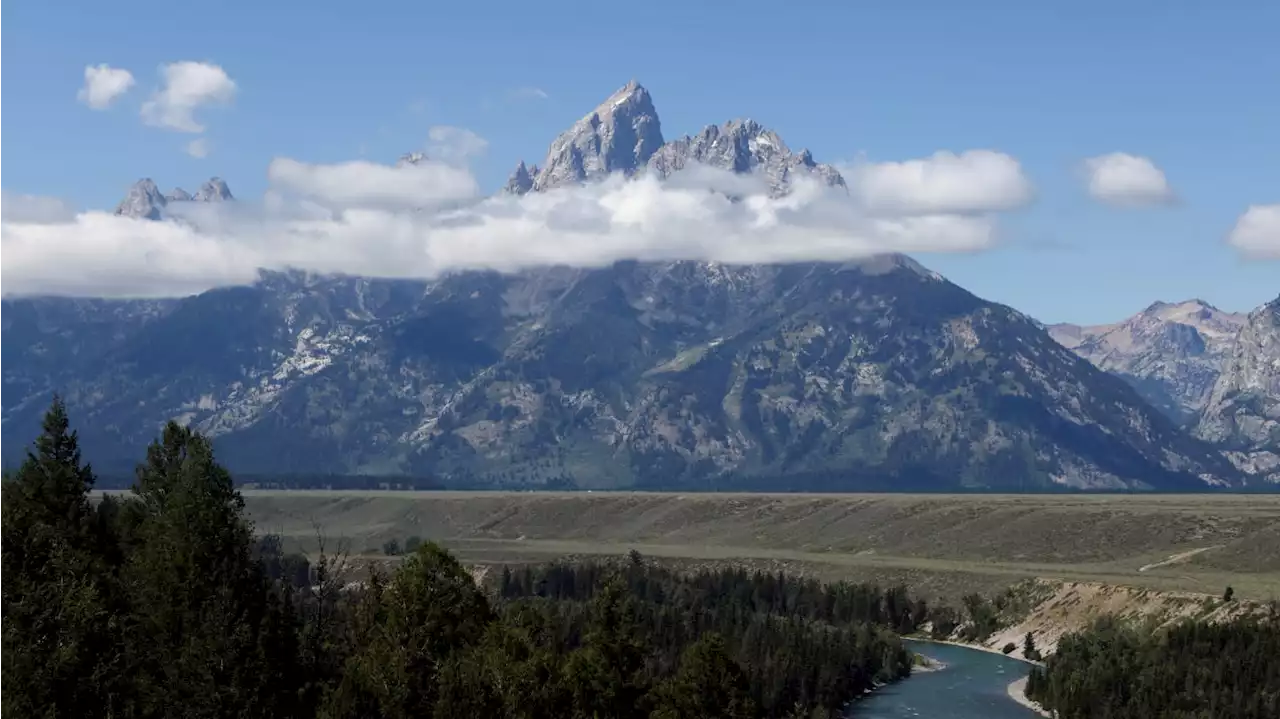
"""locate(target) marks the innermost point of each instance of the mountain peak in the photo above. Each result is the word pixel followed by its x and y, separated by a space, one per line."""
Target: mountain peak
pixel 620 135
pixel 744 146
pixel 143 201
pixel 178 195
pixel 214 190
pixel 521 180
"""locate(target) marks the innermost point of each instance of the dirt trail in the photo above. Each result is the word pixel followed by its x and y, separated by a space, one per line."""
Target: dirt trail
pixel 1179 557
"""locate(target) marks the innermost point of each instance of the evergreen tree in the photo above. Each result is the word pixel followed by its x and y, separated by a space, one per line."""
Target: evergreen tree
pixel 708 685
pixel 61 657
pixel 209 637
pixel 430 611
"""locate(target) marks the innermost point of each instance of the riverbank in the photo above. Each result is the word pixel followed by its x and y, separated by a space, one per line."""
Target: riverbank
pixel 1018 693
pixel 979 647
pixel 1017 689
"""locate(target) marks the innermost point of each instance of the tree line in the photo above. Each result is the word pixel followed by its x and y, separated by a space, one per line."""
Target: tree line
pixel 164 604
pixel 1192 670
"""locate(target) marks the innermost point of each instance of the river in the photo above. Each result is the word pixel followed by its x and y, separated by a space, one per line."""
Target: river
pixel 973 685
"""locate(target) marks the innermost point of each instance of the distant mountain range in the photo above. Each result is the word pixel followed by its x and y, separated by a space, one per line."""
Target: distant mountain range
pixel 686 375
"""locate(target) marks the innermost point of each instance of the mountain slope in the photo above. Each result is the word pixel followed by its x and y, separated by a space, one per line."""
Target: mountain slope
pixel 1171 353
pixel 1242 414
pixel 873 374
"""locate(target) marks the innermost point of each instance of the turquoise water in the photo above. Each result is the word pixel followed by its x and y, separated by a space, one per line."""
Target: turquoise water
pixel 974 685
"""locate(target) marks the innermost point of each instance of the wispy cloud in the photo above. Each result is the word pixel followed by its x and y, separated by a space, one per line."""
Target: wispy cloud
pixel 198 148
pixel 103 85
pixel 22 209
pixel 529 92
pixel 187 87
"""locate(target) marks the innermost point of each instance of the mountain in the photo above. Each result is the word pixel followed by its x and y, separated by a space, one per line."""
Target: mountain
pixel 688 375
pixel 145 201
pixel 1171 353
pixel 618 136
pixel 1242 413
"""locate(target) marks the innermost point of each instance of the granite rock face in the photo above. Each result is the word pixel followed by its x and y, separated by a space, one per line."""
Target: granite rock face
pixel 620 135
pixel 1242 414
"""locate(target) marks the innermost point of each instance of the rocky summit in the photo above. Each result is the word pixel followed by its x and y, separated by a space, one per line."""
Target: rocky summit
pixel 877 374
pixel 1172 353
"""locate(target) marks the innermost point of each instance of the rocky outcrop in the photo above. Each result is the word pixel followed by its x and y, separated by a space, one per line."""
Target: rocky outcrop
pixel 1242 414
pixel 145 201
pixel 742 146
pixel 620 135
pixel 521 180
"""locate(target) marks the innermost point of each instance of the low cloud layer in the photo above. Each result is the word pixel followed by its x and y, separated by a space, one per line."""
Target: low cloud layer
pixel 187 87
pixel 428 218
pixel 33 209
pixel 103 85
pixel 1123 180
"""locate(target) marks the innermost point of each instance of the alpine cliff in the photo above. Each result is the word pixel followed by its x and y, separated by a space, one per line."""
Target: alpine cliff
pixel 1172 353
pixel 1242 414
pixel 685 375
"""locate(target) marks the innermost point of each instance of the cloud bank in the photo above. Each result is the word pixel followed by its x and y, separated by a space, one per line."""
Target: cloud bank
pixel 187 87
pixel 103 85
pixel 428 218
pixel 1125 180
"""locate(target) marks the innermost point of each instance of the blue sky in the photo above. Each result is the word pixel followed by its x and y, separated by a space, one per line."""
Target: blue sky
pixel 1192 86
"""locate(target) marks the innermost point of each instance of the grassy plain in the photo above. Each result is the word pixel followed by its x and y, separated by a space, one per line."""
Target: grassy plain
pixel 941 545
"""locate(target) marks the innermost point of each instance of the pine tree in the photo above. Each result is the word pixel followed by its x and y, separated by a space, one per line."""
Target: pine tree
pixel 708 684
pixel 60 648
pixel 209 637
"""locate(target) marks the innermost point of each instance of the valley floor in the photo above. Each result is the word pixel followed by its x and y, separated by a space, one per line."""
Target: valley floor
pixel 941 545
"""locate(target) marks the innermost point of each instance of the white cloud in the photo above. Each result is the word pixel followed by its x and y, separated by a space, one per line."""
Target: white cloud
pixel 422 220
pixel 33 209
pixel 455 144
pixel 1126 180
pixel 367 184
pixel 198 148
pixel 103 85
pixel 188 86
pixel 1257 232
pixel 972 181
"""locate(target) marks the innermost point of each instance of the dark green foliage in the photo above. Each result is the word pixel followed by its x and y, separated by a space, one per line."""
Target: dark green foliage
pixel 163 604
pixel 1193 670
pixel 1009 648
pixel 1029 648
pixel 1229 594
pixel 60 657
pixel 207 636
pixel 984 618
pixel 798 642
pixel 708 684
